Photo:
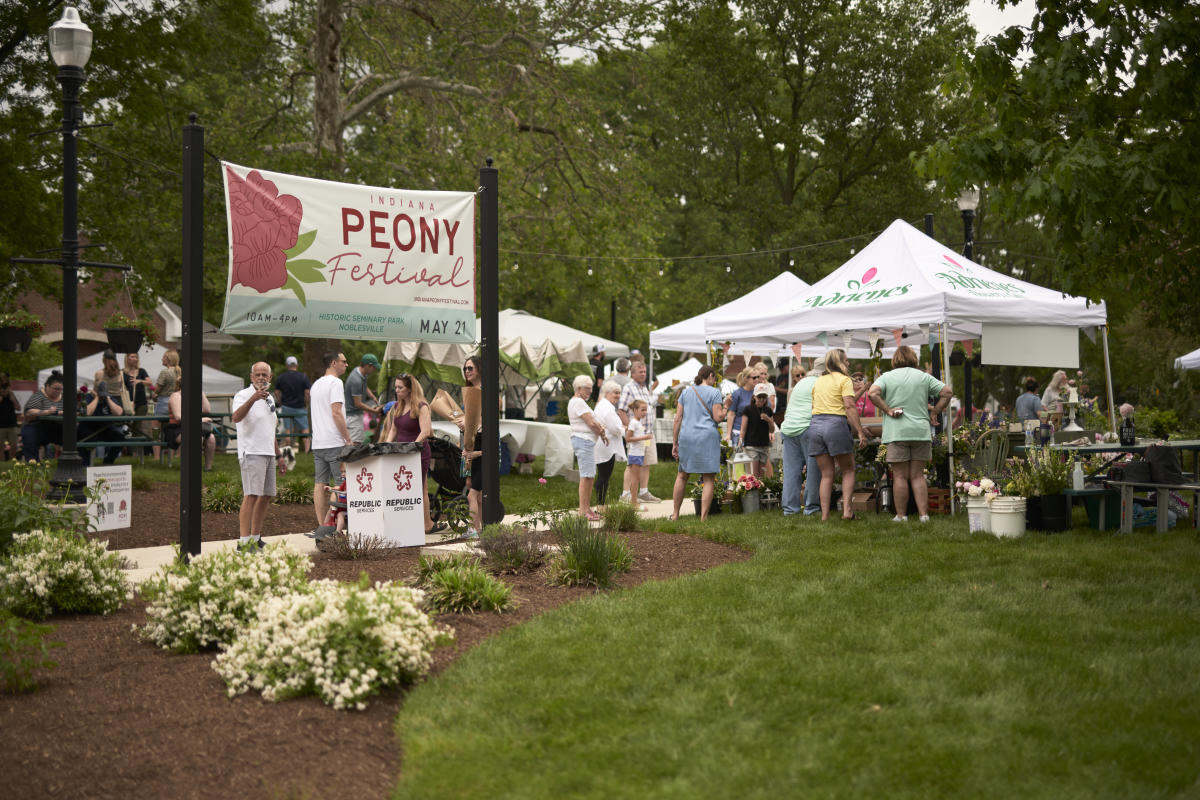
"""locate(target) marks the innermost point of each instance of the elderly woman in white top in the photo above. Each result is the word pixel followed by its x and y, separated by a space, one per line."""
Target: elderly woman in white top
pixel 608 453
pixel 585 431
pixel 1054 394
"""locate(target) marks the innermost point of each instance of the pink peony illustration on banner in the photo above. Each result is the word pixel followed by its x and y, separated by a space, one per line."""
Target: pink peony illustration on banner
pixel 265 226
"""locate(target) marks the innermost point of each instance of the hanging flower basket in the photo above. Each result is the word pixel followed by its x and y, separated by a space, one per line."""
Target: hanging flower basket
pixel 126 334
pixel 17 329
pixel 124 340
pixel 15 340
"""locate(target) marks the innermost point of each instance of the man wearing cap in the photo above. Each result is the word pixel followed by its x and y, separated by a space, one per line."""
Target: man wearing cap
pixel 359 397
pixel 596 362
pixel 757 431
pixel 800 496
pixel 292 393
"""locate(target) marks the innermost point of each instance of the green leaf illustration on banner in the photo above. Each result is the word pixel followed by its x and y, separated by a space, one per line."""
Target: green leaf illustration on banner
pixel 295 286
pixel 306 270
pixel 302 244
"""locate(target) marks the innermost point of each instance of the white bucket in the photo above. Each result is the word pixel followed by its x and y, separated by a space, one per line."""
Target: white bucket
pixel 979 516
pixel 1008 517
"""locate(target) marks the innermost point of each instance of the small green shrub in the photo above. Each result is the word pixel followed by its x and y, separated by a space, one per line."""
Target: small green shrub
pixel 512 548
pixel 202 604
pixel 50 571
pixel 23 649
pixel 354 546
pixel 589 557
pixel 464 588
pixel 428 567
pixel 218 479
pixel 621 517
pixel 340 642
pixel 141 482
pixel 295 489
pixel 222 498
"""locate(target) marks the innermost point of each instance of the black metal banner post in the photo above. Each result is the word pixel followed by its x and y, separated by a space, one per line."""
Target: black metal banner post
pixel 489 320
pixel 191 450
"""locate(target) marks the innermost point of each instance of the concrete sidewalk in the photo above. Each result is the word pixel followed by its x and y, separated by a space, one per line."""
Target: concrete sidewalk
pixel 145 561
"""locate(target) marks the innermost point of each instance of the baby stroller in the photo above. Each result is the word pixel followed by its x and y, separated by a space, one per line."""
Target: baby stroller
pixel 335 520
pixel 448 499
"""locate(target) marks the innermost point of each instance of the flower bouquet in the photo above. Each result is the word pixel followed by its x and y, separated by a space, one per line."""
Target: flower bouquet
pixel 746 489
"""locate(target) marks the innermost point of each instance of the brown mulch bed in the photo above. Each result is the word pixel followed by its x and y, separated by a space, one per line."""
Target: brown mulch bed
pixel 120 718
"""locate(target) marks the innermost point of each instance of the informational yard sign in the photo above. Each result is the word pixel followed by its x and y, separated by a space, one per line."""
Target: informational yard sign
pixel 113 508
pixel 384 499
pixel 333 260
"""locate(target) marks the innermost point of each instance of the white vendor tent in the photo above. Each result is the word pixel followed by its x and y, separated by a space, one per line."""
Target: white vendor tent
pixel 908 281
pixel 684 373
pixel 214 381
pixel 689 335
pixel 1190 361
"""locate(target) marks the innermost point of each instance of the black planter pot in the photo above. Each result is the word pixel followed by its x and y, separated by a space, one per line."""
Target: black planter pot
pixel 714 507
pixel 15 340
pixel 1056 512
pixel 1033 513
pixel 124 340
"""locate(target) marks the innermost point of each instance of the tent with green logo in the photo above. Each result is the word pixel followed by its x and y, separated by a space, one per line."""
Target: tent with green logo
pixel 906 286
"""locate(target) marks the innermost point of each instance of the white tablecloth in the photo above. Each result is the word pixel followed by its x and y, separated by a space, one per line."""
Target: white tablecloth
pixel 539 438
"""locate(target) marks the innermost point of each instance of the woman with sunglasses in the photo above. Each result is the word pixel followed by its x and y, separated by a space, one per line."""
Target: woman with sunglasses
pixel 409 420
pixel 473 376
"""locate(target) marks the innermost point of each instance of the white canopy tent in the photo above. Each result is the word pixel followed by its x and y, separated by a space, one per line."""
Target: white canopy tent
pixel 214 382
pixel 906 284
pixel 689 335
pixel 1190 361
pixel 684 373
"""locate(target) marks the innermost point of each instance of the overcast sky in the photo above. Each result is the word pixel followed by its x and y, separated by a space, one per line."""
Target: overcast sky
pixel 990 20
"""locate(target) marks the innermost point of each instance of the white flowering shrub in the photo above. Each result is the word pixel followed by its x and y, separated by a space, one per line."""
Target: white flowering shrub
pixel 202 604
pixel 57 571
pixel 340 642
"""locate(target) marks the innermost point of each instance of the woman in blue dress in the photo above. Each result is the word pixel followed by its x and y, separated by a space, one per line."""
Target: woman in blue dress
pixel 699 409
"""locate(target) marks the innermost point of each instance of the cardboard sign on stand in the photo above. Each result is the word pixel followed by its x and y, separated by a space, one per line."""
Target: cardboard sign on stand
pixel 384 497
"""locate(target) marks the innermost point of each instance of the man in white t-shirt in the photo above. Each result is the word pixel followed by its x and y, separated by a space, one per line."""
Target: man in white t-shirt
pixel 254 415
pixel 329 432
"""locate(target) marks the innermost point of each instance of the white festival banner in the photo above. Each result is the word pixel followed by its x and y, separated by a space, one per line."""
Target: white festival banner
pixel 334 260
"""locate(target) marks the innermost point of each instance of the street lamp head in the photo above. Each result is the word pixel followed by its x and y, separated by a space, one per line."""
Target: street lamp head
pixel 968 199
pixel 70 40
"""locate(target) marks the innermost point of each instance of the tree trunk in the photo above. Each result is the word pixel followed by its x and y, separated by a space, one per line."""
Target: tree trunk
pixel 328 102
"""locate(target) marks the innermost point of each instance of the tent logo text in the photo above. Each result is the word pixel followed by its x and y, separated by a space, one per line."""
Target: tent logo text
pixel 857 292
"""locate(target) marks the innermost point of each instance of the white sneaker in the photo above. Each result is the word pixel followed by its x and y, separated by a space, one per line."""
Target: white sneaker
pixel 645 496
pixel 899 518
pixel 925 518
pixel 625 498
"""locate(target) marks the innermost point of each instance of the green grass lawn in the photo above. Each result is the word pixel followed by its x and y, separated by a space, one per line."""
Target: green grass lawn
pixel 843 660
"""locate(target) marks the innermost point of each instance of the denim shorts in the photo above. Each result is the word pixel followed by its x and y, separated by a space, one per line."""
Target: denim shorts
pixel 829 434
pixel 326 467
pixel 295 420
pixel 637 461
pixel 585 453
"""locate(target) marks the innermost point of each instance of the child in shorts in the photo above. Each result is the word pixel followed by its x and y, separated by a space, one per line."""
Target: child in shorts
pixel 758 430
pixel 635 437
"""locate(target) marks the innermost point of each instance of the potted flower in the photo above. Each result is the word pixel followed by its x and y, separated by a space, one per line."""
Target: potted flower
pixel 977 494
pixel 1045 475
pixel 126 334
pixel 747 488
pixel 17 329
pixel 696 492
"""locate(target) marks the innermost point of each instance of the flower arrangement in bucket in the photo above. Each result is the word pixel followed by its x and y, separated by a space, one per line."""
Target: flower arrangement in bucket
pixel 747 488
pixel 1042 478
pixel 978 494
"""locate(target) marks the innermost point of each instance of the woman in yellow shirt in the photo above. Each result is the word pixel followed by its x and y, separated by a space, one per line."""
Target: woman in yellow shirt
pixel 829 439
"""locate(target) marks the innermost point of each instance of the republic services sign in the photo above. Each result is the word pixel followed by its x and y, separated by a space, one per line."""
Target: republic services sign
pixel 333 260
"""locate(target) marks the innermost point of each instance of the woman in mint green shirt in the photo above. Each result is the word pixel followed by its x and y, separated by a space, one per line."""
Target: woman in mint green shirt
pixel 902 397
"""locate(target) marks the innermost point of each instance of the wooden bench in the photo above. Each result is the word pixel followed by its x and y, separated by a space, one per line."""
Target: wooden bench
pixel 1163 492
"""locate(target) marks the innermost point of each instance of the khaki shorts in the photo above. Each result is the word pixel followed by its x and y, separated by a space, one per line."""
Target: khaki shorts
pixel 650 454
pixel 898 452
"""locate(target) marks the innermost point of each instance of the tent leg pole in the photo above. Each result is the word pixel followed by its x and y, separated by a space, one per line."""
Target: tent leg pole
pixel 1112 414
pixel 949 417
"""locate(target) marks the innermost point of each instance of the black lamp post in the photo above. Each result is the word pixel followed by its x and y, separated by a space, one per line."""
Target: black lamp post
pixel 70 47
pixel 968 201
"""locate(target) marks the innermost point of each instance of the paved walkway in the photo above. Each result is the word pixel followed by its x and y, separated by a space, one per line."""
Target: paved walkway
pixel 145 561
